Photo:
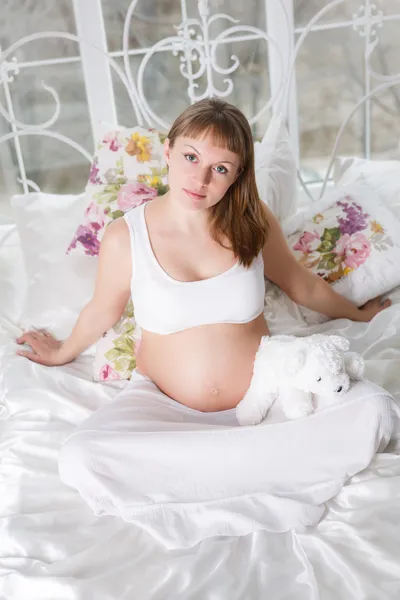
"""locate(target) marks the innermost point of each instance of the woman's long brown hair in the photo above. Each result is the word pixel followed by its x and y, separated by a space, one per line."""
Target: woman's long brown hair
pixel 239 215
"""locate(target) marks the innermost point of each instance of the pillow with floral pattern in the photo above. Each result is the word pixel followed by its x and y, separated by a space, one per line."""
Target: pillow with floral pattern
pixel 115 351
pixel 128 169
pixel 352 241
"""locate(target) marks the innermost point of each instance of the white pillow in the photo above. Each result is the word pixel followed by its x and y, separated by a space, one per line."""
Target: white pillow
pixel 276 171
pixel 351 239
pixel 12 276
pixel 381 175
pixel 58 286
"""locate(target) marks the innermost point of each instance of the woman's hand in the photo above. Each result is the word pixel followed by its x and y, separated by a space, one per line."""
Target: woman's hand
pixel 45 348
pixel 373 307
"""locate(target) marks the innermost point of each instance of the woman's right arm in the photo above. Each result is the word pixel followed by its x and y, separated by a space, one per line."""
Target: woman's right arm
pixel 111 294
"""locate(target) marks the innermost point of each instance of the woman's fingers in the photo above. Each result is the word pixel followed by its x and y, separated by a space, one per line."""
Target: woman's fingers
pixel 28 336
pixel 31 355
pixel 38 345
pixel 33 334
pixel 33 343
pixel 42 345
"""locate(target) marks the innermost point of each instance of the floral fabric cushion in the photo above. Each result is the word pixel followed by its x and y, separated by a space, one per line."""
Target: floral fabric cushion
pixel 128 169
pixel 115 351
pixel 353 242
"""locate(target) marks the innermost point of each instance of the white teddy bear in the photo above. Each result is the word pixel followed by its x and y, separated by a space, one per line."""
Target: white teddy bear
pixel 293 369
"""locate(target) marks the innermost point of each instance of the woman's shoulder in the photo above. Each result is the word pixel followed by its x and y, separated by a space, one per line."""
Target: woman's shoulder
pixel 116 235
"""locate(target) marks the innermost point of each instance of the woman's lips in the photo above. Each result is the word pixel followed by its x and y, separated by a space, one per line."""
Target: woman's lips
pixel 193 194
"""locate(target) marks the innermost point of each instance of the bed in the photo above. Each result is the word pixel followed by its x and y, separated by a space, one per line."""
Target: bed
pixel 53 548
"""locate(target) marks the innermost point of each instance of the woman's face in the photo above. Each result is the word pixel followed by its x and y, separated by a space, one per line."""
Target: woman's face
pixel 199 171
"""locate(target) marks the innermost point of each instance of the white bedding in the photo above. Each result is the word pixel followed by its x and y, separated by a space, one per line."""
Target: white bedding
pixel 53 548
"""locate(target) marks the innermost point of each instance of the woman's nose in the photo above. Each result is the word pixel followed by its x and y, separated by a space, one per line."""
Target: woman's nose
pixel 202 177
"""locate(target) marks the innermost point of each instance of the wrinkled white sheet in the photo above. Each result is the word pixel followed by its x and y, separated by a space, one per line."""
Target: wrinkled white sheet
pixel 52 547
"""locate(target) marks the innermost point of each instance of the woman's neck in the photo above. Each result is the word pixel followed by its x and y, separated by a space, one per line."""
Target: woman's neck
pixel 185 220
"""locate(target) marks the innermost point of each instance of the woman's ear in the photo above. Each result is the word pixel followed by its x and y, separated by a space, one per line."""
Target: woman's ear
pixel 167 150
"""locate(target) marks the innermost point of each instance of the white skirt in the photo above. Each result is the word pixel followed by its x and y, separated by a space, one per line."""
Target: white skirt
pixel 184 475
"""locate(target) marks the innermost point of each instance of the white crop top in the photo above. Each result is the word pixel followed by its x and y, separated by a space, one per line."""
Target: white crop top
pixel 165 305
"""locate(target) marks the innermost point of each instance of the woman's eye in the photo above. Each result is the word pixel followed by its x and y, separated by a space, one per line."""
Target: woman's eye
pixel 319 378
pixel 221 169
pixel 190 157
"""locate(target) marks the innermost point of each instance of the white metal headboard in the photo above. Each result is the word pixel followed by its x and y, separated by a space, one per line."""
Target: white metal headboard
pixel 196 50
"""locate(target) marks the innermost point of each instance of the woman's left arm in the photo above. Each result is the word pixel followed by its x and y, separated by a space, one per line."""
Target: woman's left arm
pixel 305 287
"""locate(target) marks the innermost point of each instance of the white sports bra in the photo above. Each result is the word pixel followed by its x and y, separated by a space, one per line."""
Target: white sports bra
pixel 165 305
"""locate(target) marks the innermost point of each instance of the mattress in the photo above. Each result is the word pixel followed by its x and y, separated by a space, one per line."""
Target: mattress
pixel 53 548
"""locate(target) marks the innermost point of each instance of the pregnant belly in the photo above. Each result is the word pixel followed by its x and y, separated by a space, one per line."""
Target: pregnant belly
pixel 207 368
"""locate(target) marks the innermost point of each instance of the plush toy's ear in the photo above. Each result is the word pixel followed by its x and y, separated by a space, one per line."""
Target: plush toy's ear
pixel 340 342
pixel 354 365
pixel 315 339
pixel 296 361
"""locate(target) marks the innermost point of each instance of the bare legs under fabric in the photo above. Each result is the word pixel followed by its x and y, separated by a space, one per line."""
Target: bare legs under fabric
pixel 184 475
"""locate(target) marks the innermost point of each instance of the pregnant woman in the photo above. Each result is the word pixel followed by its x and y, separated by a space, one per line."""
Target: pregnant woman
pixel 194 261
